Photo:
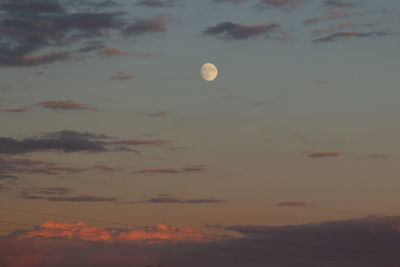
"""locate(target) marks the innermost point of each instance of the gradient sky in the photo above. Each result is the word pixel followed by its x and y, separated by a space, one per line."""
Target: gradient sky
pixel 104 114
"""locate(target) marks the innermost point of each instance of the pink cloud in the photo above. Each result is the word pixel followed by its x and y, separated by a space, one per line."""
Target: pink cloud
pixel 122 76
pixel 107 52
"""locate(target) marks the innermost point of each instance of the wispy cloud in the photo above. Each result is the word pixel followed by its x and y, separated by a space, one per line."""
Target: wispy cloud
pixel 174 200
pixel 141 142
pixel 326 155
pixel 148 25
pixel 340 4
pixel 284 4
pixel 158 113
pixel 347 35
pixel 108 52
pixel 294 204
pixel 15 110
pixel 156 3
pixel 64 105
pixel 235 31
pixel 122 76
pixel 173 171
pixel 332 15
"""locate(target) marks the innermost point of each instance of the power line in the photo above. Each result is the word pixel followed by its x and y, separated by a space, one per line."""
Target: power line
pixel 203 196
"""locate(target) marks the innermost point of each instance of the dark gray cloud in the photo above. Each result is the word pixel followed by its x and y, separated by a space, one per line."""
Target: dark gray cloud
pixel 326 155
pixel 285 4
pixel 340 4
pixel 234 31
pixel 26 6
pixel 174 200
pixel 156 3
pixel 39 32
pixel 148 25
pixel 29 26
pixel 347 35
pixel 81 198
pixel 173 171
pixel 295 204
pixel 65 141
pixel 11 167
pixel 230 1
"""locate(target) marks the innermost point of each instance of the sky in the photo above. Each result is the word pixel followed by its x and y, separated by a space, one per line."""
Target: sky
pixel 115 150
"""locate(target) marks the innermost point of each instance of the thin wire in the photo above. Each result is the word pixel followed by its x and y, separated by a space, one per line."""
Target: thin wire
pixel 215 235
pixel 198 195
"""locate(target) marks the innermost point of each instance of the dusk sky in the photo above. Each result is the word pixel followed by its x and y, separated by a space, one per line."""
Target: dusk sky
pixel 115 152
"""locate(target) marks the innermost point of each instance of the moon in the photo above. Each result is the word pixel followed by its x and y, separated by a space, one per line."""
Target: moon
pixel 209 72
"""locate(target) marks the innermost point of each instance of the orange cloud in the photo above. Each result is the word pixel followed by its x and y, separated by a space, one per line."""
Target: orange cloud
pixel 80 231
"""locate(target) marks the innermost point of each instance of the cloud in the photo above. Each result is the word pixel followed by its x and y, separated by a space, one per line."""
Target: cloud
pixel 172 171
pixel 158 113
pixel 64 29
pixel 32 6
pixel 53 190
pixel 231 1
pixel 332 15
pixel 340 4
pixel 64 105
pixel 347 35
pixel 15 110
pixel 173 200
pixel 285 4
pixel 364 242
pixel 82 198
pixel 122 76
pixel 141 142
pixel 234 31
pixel 108 52
pixel 326 155
pixel 47 24
pixel 294 204
pixel 81 231
pixel 156 3
pixel 62 141
pixel 149 25
pixel 342 26
pixel 11 167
